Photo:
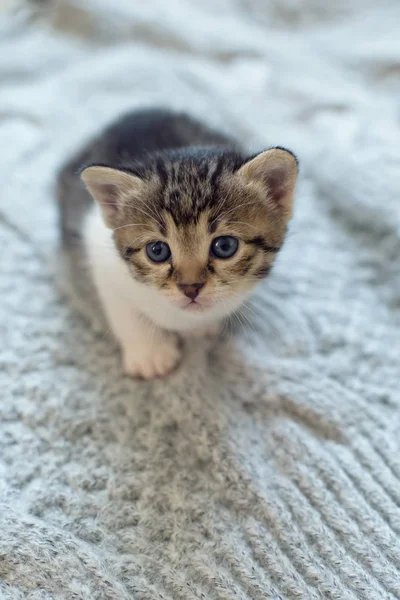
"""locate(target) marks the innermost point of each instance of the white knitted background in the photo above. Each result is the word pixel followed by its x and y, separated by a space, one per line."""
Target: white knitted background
pixel 268 466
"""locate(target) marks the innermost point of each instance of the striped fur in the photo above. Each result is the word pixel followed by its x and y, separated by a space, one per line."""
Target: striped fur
pixel 162 176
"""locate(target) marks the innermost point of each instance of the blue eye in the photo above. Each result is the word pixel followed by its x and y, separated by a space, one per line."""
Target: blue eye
pixel 224 246
pixel 158 251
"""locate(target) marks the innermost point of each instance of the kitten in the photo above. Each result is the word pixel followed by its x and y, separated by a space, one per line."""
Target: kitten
pixel 183 226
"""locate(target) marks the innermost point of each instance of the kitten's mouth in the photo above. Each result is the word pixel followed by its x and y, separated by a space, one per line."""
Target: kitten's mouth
pixel 194 306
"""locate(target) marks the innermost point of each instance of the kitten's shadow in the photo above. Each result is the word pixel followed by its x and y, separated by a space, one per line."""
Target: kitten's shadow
pixel 176 449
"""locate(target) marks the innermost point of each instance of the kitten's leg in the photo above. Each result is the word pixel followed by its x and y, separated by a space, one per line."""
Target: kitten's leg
pixel 152 355
pixel 147 351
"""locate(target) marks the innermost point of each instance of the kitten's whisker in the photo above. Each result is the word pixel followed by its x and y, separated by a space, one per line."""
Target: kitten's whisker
pixel 247 319
pixel 243 223
pixel 152 217
pixel 140 237
pixel 232 210
pixel 255 315
pixel 130 225
pixel 223 325
pixel 221 204
pixel 232 325
pixel 236 312
pixel 245 304
pixel 154 211
pixel 263 319
pixel 243 323
pixel 228 318
pixel 241 315
pixel 106 333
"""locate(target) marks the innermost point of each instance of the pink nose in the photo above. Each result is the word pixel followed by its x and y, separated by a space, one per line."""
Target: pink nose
pixel 191 290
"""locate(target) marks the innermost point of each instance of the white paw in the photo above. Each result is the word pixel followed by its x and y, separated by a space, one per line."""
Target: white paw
pixel 156 360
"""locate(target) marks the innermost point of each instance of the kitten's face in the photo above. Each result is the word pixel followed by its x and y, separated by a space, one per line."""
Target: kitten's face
pixel 201 233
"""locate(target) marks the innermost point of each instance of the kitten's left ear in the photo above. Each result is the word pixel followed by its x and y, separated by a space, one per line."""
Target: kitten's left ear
pixel 276 170
pixel 110 187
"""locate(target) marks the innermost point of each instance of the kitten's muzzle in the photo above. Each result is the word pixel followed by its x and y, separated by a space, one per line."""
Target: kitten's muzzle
pixel 191 290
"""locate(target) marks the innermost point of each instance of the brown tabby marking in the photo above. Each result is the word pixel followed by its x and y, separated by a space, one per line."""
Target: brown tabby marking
pixel 187 202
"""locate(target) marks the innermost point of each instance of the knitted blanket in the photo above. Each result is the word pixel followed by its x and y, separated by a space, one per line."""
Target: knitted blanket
pixel 268 465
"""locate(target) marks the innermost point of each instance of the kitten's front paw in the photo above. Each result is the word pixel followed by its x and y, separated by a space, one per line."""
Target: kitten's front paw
pixel 156 360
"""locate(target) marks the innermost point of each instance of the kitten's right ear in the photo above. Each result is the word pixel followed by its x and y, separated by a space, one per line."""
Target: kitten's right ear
pixel 109 187
pixel 276 171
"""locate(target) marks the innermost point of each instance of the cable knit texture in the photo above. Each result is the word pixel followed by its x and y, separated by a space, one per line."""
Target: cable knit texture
pixel 268 465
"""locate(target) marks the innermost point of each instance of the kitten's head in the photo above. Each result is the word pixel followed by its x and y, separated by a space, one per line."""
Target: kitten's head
pixel 201 229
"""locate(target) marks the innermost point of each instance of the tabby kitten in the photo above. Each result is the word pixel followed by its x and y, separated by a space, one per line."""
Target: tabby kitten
pixel 183 226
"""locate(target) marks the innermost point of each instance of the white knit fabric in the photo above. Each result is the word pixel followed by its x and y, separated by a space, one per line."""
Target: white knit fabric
pixel 268 466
